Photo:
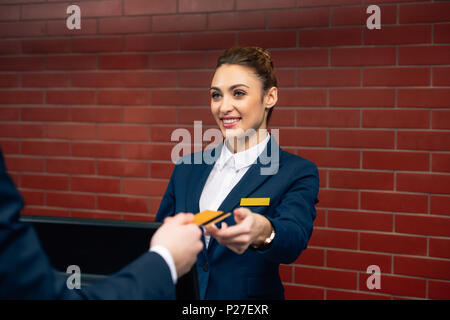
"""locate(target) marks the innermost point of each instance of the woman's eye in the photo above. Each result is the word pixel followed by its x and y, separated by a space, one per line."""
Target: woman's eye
pixel 215 95
pixel 239 93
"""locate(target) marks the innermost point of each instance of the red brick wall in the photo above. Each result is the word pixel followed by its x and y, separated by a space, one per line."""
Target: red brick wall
pixel 86 117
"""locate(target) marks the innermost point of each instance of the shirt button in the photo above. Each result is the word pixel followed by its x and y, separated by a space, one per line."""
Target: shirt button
pixel 205 267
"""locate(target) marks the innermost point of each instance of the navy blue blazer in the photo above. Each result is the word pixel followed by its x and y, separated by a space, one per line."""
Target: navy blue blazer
pixel 26 273
pixel 292 187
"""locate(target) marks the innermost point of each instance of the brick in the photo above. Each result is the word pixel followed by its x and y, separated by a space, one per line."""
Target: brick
pixel 72 62
pixel 204 5
pixel 164 133
pixel 179 23
pixel 189 115
pixel 22 63
pixel 97 79
pixel 396 77
pixel 395 160
pixel 268 39
pixel 120 168
pixel 328 77
pixel 22 29
pixel 10 46
pixel 355 260
pixel 161 169
pixel 362 97
pixel 395 285
pixel 355 179
pixel 97 44
pixel 46 46
pixel 353 295
pixel 333 238
pixel 422 267
pixel 375 56
pixel 45 80
pixel 330 37
pixel 282 117
pixel 10 114
pixel 148 187
pixel 21 97
pixel 122 204
pixel 14 130
pixel 46 212
pixel 441 162
pixel 33 198
pixel 423 140
pixel 385 118
pixel 345 16
pixel 422 225
pixel 124 25
pixel 338 198
pixel 302 97
pixel 46 148
pixel 97 149
pixel 70 166
pixel 9 80
pixel 392 243
pixel 419 34
pixel 423 182
pixel 325 277
pixel 328 118
pixel 207 41
pixel 10 147
pixel 317 17
pixel 70 97
pixel 440 247
pixel 303 137
pixel 59 28
pixel 123 97
pixel 286 78
pixel 332 158
pixel 397 202
pixel 195 79
pixel 300 58
pixel 143 7
pixel 147 151
pixel 149 115
pixel 311 256
pixel 152 78
pixel 24 164
pixel 123 61
pixel 95 215
pixel 429 12
pixel 315 3
pixel 441 33
pixel 93 114
pixel 70 200
pixel 178 60
pixel 440 205
pixel 163 97
pixel 285 272
pixel 154 42
pixel 10 13
pixel 122 132
pixel 423 98
pixel 43 181
pixel 139 217
pixel 264 4
pixel 424 55
pixel 296 292
pixel 237 20
pixel 348 138
pixel 95 184
pixel 439 290
pixel 360 220
pixel 70 131
pixel 441 76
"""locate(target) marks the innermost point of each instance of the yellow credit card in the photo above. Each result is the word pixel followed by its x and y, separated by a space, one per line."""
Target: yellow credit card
pixel 254 202
pixel 207 217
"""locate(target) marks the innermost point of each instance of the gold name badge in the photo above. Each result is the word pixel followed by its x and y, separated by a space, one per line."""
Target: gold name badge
pixel 247 202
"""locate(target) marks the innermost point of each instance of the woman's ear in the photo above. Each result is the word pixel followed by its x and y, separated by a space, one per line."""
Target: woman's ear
pixel 271 97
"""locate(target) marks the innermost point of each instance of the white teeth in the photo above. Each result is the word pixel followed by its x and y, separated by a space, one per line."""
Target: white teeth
pixel 230 120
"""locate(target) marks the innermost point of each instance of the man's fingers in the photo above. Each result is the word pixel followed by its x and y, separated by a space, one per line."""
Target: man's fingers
pixel 184 218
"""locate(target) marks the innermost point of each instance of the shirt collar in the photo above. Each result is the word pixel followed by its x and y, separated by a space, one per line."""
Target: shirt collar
pixel 242 159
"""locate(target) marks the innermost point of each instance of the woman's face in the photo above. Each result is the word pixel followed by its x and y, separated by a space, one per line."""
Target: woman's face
pixel 236 100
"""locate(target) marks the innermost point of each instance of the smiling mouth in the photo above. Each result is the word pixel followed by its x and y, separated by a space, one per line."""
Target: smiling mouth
pixel 230 122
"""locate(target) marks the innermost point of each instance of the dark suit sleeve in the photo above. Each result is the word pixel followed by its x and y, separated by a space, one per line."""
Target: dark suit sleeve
pixel 167 206
pixel 26 273
pixel 294 216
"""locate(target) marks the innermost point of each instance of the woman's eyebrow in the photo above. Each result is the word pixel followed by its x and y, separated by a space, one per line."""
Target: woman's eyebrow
pixel 231 88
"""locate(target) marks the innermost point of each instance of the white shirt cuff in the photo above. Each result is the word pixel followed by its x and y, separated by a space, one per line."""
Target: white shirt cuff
pixel 165 254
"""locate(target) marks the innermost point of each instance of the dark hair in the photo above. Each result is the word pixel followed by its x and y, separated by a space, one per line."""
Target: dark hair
pixel 255 58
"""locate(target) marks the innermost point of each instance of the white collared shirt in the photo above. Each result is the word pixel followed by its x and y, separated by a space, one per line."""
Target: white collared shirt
pixel 227 172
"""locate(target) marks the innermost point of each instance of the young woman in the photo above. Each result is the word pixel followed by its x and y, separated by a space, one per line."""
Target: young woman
pixel 273 213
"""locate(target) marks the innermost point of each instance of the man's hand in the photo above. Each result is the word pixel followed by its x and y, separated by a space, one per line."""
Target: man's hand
pixel 250 229
pixel 182 238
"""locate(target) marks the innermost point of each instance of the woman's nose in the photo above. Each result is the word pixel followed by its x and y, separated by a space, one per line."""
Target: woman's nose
pixel 226 106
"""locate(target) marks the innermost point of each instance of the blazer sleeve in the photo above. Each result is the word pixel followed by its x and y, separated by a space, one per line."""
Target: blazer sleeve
pixel 294 216
pixel 167 206
pixel 26 272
